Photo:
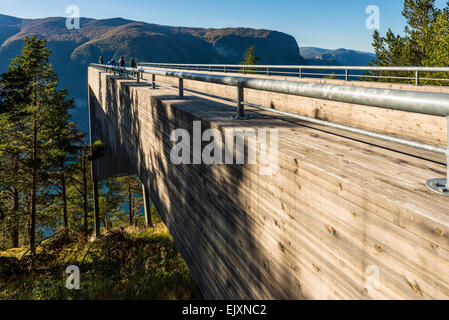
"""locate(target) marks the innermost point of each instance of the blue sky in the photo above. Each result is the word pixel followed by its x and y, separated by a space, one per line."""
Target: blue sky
pixel 323 23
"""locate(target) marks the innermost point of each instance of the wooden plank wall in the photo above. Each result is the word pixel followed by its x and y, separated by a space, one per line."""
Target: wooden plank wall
pixel 115 161
pixel 336 210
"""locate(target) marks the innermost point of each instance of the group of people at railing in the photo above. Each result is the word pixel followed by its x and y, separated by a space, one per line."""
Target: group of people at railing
pixel 121 63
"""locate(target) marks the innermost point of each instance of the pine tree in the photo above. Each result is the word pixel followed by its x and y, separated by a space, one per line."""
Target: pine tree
pixel 116 194
pixel 437 46
pixel 133 195
pixel 408 49
pixel 250 58
pixel 11 178
pixel 424 43
pixel 111 201
pixel 33 102
pixel 14 98
pixel 80 178
pixel 66 138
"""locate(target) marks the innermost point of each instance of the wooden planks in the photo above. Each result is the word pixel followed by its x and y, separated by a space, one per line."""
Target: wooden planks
pixel 423 128
pixel 335 207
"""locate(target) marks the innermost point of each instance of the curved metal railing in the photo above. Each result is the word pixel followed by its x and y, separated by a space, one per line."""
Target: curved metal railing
pixel 436 104
pixel 302 71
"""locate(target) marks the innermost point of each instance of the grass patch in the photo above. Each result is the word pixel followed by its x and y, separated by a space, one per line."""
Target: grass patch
pixel 125 263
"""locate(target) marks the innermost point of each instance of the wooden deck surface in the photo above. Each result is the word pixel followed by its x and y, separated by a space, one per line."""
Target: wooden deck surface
pixel 340 206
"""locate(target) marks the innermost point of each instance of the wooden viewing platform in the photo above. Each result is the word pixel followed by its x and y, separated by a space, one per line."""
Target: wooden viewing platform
pixel 340 207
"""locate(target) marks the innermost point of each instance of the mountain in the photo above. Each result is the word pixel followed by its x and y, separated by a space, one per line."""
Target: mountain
pixel 73 50
pixel 339 57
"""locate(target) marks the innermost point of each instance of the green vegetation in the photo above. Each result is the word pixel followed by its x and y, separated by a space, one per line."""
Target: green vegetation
pixel 131 263
pixel 249 59
pixel 34 135
pixel 46 210
pixel 425 41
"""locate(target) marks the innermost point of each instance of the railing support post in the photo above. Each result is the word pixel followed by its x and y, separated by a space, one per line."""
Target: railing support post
pixel 181 87
pixel 268 71
pixel 347 75
pixel 138 76
pixel 153 81
pixel 240 106
pixel 417 78
pixel 240 98
pixel 300 72
pixel 447 155
pixel 441 186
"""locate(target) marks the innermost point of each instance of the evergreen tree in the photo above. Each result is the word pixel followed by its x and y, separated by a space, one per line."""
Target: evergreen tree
pixel 14 99
pixel 117 195
pixel 67 139
pixel 437 46
pixel 425 41
pixel 111 201
pixel 250 58
pixel 80 178
pixel 133 195
pixel 34 103
pixel 80 181
pixel 409 49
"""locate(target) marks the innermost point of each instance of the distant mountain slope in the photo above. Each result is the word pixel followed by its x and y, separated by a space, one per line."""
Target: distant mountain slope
pixel 339 57
pixel 8 20
pixel 73 50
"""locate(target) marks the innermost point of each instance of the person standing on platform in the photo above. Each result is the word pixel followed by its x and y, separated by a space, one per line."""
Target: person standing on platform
pixel 121 64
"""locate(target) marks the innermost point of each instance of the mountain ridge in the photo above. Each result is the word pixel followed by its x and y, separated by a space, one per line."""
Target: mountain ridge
pixel 73 50
pixel 336 57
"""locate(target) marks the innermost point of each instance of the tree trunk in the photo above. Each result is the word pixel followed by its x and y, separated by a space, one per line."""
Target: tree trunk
pixel 34 173
pixel 15 210
pixel 64 197
pixel 34 191
pixel 130 202
pixel 15 227
pixel 134 208
pixel 28 224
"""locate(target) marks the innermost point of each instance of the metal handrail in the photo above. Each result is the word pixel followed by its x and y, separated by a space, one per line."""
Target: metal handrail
pixel 360 68
pixel 436 104
pixel 274 70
